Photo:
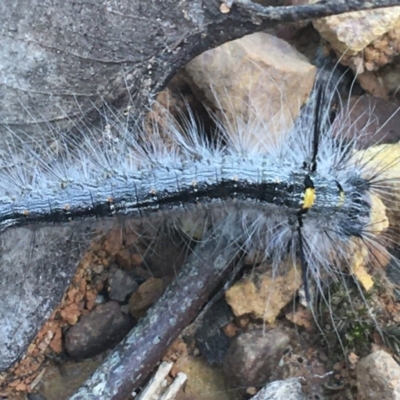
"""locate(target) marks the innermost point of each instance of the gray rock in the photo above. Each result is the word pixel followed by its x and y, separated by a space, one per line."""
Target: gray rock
pixel 253 356
pixel 378 377
pixel 289 389
pixel 121 285
pixel 36 266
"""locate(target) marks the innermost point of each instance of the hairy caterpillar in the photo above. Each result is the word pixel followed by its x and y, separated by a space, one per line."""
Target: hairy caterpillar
pixel 302 194
pixel 302 175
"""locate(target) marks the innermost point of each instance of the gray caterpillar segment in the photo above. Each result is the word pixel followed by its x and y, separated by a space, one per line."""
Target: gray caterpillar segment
pixel 257 181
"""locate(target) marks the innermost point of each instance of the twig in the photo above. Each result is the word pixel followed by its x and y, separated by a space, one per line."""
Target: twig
pixel 310 11
pixel 175 387
pixel 154 386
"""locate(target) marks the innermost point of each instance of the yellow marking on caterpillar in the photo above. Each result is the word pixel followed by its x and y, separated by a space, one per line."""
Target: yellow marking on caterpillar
pixel 309 198
pixel 342 197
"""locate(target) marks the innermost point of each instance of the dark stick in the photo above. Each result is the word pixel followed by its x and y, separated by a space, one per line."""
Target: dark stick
pixel 136 356
pixel 310 11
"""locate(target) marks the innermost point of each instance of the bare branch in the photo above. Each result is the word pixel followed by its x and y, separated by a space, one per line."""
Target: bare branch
pixel 310 11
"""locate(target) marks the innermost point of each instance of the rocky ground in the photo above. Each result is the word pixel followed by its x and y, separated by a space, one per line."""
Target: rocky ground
pixel 344 349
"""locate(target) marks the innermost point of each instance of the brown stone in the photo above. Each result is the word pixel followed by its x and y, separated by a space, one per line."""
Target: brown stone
pixel 378 377
pixel 101 328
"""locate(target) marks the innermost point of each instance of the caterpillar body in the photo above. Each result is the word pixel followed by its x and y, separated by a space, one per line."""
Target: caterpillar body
pixel 304 177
